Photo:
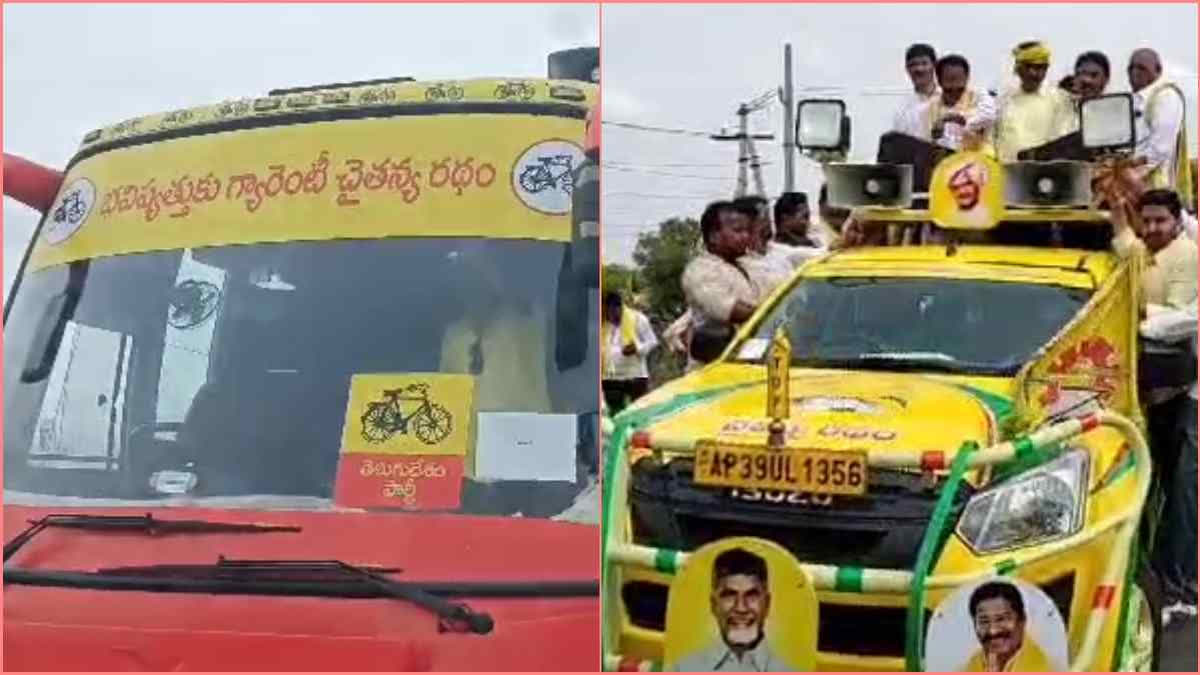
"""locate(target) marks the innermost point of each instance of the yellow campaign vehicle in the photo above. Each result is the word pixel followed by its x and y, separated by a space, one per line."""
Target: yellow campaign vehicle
pixel 910 423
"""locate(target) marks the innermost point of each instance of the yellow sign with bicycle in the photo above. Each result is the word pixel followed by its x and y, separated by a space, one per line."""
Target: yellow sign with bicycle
pixel 409 414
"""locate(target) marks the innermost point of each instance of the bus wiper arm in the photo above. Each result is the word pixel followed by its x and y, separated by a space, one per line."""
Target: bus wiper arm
pixel 452 616
pixel 147 524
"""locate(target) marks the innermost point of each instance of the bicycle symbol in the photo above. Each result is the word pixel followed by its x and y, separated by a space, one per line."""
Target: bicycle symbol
pixel 444 92
pixel 431 423
pixel 522 90
pixel 383 95
pixel 72 209
pixel 192 302
pixel 552 172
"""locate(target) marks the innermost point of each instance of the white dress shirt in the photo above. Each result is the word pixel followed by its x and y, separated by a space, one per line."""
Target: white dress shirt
pixel 618 366
pixel 910 116
pixel 1158 134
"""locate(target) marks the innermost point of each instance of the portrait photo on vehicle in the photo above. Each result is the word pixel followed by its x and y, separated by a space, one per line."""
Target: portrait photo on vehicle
pixel 899 311
pixel 741 605
pixel 302 337
pixel 998 625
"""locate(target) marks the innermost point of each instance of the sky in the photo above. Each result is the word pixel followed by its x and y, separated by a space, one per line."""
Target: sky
pixel 69 69
pixel 687 67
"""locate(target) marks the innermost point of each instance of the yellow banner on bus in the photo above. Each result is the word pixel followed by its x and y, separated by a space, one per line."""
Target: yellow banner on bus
pixel 423 175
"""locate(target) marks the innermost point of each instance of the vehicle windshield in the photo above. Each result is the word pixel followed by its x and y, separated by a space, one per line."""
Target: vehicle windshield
pixel 945 325
pixel 224 375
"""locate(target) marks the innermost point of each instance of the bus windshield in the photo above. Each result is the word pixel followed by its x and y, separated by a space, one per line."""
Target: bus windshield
pixel 227 371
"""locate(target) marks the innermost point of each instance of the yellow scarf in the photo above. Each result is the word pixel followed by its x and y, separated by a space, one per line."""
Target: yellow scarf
pixel 1183 168
pixel 628 330
pixel 1028 659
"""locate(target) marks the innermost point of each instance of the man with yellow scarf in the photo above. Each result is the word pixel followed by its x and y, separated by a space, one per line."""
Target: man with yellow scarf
pixel 998 612
pixel 626 339
pixel 961 118
pixel 1032 114
pixel 1161 132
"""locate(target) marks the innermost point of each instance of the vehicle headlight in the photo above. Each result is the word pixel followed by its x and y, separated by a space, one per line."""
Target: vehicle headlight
pixel 1039 505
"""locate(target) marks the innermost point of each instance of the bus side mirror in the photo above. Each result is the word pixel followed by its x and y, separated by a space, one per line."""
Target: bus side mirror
pixel 53 323
pixel 585 223
pixel 822 125
pixel 1106 123
pixel 572 319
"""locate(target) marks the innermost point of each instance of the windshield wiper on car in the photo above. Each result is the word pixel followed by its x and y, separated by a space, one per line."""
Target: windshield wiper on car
pixel 910 362
pixel 146 524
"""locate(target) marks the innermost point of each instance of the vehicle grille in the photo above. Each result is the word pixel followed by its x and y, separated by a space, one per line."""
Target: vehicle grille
pixel 882 529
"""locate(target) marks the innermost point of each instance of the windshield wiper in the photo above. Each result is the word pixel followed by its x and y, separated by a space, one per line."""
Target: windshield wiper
pixel 911 361
pixel 146 524
pixel 275 577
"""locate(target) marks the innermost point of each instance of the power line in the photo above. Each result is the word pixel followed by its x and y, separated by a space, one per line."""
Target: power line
pixel 665 173
pixel 656 196
pixel 673 165
pixel 661 130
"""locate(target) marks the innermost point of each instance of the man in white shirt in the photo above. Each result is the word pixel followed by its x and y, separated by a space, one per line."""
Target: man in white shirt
pixel 960 117
pixel 1158 122
pixel 797 239
pixel 720 293
pixel 628 338
pixel 1175 553
pixel 919 60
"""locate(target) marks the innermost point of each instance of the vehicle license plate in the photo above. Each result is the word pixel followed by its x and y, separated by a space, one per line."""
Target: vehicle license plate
pixel 756 466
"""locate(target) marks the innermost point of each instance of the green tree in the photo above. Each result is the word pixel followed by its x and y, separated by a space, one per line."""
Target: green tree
pixel 620 278
pixel 660 258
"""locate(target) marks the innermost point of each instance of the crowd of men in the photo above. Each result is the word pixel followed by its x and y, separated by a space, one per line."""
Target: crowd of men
pixel 946 109
pixel 743 258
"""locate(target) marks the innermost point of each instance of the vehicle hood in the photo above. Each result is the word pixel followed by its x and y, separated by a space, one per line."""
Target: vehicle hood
pixel 832 410
pixel 50 628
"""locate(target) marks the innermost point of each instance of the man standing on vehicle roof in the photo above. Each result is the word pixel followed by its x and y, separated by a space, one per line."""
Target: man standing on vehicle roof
pixel 919 60
pixel 627 338
pixel 1159 114
pixel 1089 81
pixel 961 118
pixel 1032 114
pixel 720 293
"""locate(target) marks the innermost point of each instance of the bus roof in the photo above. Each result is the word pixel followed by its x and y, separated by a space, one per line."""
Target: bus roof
pixel 438 95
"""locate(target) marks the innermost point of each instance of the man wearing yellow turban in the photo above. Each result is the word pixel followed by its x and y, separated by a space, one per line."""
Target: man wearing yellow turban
pixel 1032 114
